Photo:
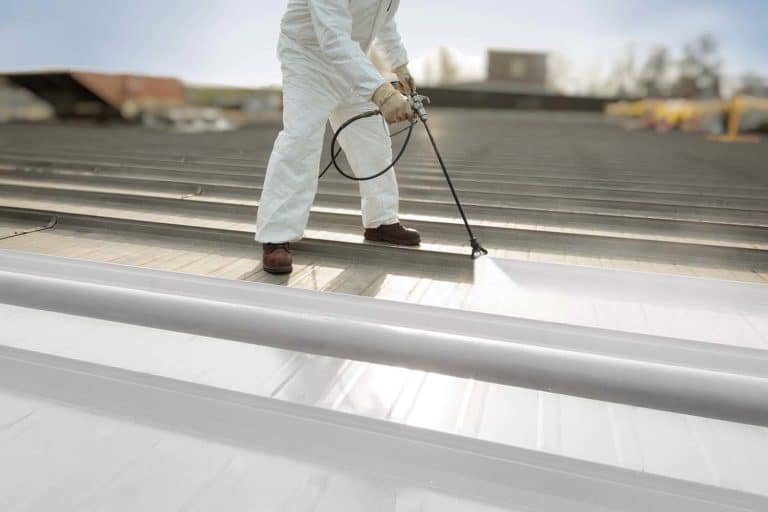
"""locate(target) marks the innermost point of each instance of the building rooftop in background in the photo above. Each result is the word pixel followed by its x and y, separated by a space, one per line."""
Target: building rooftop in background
pixel 19 104
pixel 80 94
pixel 517 71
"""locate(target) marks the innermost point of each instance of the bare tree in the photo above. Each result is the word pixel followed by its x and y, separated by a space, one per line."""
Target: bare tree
pixel 623 79
pixel 449 69
pixel 653 75
pixel 753 85
pixel 700 68
pixel 557 73
pixel 429 78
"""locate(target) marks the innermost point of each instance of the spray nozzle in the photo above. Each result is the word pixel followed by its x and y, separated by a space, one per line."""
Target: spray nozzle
pixel 477 249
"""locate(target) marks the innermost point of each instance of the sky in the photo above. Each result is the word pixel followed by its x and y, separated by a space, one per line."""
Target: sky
pixel 233 42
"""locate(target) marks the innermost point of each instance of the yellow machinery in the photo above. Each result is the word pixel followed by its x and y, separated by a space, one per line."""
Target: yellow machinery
pixel 737 108
pixel 641 110
pixel 696 115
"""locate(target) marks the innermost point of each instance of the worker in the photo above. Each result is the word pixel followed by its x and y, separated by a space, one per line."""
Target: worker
pixel 327 74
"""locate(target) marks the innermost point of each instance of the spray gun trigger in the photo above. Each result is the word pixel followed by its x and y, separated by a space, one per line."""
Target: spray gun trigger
pixel 417 103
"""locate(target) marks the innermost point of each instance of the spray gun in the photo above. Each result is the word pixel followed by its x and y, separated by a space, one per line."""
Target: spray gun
pixel 417 104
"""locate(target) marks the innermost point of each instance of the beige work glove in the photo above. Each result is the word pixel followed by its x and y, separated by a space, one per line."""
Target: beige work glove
pixel 405 79
pixel 394 106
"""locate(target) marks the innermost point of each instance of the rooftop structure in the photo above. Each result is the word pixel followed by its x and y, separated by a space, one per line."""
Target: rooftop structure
pixel 610 354
pixel 99 95
pixel 19 104
pixel 517 71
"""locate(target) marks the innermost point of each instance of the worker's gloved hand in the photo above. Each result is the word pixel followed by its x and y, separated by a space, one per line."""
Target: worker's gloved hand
pixel 405 80
pixel 394 106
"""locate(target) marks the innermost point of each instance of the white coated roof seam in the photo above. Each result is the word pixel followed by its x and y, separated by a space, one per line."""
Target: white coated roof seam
pixel 335 331
pixel 607 342
pixel 493 473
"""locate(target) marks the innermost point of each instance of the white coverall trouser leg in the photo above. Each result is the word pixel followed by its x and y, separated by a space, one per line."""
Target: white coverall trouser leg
pixel 311 95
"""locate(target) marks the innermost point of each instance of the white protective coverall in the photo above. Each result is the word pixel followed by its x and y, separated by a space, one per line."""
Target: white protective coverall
pixel 326 74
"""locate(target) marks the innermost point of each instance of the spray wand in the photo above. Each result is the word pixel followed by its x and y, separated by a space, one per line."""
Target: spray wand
pixel 417 104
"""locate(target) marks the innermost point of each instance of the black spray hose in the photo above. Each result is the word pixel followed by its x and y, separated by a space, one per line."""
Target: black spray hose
pixel 418 108
pixel 336 152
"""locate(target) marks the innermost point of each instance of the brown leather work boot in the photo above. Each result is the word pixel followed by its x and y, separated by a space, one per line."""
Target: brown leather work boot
pixel 393 234
pixel 277 258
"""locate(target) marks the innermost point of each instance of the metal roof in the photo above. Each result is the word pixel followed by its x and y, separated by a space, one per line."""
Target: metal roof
pixel 546 187
pixel 272 428
pixel 191 406
pixel 590 228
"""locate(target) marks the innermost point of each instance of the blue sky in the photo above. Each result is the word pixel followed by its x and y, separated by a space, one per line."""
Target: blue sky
pixel 233 41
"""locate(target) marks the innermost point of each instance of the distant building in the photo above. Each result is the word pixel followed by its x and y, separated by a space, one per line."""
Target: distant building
pixel 74 95
pixel 17 104
pixel 242 105
pixel 239 98
pixel 517 71
pixel 514 80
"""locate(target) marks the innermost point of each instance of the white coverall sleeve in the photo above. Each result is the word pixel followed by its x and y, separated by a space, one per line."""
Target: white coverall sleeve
pixel 390 44
pixel 333 27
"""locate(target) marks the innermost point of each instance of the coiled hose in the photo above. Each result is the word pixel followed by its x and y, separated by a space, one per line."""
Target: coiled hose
pixel 336 152
pixel 477 249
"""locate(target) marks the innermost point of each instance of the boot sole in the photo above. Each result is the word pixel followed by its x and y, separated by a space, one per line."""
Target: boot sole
pixel 392 242
pixel 279 270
